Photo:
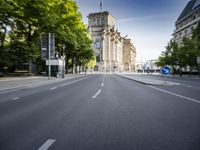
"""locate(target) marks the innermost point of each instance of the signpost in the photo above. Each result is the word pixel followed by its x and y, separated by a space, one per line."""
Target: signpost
pixel 48 49
pixel 165 71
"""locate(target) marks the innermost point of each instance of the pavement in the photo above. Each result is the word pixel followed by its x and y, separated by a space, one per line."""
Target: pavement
pixel 12 83
pixel 148 80
pixel 101 112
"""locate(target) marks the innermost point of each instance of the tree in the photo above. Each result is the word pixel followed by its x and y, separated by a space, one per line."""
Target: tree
pixel 169 57
pixel 196 37
pixel 91 64
pixel 28 19
pixel 188 53
pixel 6 21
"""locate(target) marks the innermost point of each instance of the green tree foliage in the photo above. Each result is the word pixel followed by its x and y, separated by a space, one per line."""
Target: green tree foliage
pixel 6 21
pixel 196 37
pixel 169 57
pixel 23 22
pixel 187 53
pixel 91 64
pixel 183 55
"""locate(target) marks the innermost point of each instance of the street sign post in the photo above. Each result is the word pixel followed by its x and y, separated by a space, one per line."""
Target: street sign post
pixel 165 71
pixel 48 49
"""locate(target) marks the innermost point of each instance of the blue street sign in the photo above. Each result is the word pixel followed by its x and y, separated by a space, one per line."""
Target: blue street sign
pixel 166 70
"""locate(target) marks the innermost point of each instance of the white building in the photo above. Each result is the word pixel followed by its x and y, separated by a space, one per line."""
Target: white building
pixel 108 44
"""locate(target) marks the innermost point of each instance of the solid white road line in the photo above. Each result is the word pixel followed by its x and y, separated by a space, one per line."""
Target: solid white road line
pixel 15 98
pixel 47 144
pixel 53 88
pixel 102 84
pixel 99 91
pixel 190 99
pixel 72 82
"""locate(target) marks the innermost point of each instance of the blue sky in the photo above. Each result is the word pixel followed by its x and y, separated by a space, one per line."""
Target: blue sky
pixel 149 23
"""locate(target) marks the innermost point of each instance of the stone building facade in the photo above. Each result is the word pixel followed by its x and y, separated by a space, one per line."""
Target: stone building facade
pixel 187 21
pixel 129 55
pixel 108 44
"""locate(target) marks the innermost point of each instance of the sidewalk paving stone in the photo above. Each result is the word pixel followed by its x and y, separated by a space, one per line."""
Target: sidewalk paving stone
pixel 147 81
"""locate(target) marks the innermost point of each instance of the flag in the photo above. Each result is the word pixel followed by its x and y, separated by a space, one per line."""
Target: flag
pixel 101 6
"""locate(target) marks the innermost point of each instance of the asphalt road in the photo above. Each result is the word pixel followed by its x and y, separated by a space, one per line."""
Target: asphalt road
pixel 99 112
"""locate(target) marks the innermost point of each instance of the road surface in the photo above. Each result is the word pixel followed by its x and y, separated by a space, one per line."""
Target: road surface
pixel 100 112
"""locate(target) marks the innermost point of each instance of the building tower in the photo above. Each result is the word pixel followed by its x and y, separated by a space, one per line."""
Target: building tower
pixel 107 42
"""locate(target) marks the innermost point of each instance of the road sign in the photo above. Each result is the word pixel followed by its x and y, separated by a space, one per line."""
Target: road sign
pixel 166 70
pixel 46 43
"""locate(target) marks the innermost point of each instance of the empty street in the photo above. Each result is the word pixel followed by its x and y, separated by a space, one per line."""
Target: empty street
pixel 101 112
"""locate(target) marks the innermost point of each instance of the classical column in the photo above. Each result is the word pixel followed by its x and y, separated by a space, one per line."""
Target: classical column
pixel 107 51
pixel 104 53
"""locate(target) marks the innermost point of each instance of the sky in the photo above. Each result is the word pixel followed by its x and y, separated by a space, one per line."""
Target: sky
pixel 149 23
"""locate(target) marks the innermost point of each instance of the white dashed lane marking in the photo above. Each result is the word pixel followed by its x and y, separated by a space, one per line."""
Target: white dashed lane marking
pixel 99 91
pixel 102 84
pixel 53 88
pixel 72 82
pixel 15 98
pixel 47 144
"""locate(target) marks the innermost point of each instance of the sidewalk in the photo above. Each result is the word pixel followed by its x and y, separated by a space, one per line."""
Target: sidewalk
pixel 21 82
pixel 197 77
pixel 147 81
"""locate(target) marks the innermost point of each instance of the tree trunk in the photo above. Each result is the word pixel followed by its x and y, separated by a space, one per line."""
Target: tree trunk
pixel 66 65
pixel 173 71
pixel 29 40
pixel 72 65
pixel 190 71
pixel 180 71
pixel 30 66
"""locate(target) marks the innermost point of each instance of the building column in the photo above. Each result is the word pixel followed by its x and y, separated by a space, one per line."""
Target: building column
pixel 108 64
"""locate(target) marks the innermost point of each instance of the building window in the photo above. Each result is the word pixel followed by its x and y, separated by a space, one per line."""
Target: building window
pixel 192 28
pixel 175 37
pixel 101 55
pixel 102 21
pixel 90 22
pixel 98 22
pixel 180 34
pixel 97 57
pixel 97 45
pixel 186 32
pixel 93 22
